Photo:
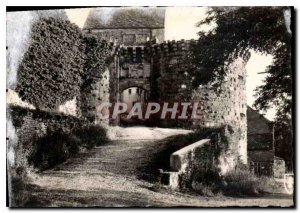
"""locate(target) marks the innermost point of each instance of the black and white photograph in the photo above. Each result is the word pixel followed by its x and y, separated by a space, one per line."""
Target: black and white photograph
pixel 150 106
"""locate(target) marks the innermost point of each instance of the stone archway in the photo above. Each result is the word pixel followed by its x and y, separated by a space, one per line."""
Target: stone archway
pixel 132 92
pixel 141 83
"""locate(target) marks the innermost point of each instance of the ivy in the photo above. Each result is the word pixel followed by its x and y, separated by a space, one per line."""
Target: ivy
pixel 59 61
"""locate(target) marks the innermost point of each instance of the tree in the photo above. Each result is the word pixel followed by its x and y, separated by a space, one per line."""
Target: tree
pixel 283 133
pixel 239 30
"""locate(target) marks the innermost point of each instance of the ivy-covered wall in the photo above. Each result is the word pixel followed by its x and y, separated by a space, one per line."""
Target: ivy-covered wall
pixel 64 67
pixel 51 70
pixel 31 124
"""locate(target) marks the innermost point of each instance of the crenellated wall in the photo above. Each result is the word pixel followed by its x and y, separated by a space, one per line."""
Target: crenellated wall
pixel 171 81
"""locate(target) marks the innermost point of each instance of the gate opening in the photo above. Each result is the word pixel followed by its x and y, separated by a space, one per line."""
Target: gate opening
pixel 130 96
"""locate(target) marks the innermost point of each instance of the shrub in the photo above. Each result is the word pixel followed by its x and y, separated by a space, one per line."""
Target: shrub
pixel 241 182
pixel 238 182
pixel 60 60
pixel 245 182
pixel 56 147
pixel 206 183
pixel 208 178
pixel 204 190
pixel 91 136
pixel 53 149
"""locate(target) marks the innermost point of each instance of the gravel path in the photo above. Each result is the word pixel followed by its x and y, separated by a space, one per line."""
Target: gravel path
pixel 120 175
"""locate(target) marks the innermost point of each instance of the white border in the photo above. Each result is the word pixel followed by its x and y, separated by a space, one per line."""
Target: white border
pixel 106 3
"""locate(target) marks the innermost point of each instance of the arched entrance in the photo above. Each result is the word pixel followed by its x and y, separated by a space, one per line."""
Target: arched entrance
pixel 130 96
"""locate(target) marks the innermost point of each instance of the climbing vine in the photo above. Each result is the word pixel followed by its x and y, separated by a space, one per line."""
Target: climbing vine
pixel 60 59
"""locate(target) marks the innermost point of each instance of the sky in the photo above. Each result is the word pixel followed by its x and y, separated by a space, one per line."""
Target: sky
pixel 180 23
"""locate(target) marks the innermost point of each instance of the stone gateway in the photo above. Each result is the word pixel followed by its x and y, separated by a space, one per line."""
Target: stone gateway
pixel 144 60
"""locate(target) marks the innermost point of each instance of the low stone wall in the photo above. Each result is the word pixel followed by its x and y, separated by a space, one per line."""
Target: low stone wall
pixel 279 167
pixel 28 125
pixel 199 156
pixel 181 159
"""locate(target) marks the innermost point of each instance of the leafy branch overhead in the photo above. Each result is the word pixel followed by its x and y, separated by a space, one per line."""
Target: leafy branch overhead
pixel 238 31
pixel 56 63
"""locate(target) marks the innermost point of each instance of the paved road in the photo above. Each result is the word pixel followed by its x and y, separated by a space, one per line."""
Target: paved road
pixel 121 174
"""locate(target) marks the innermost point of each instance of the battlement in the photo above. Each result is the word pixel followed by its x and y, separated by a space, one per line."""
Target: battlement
pixel 172 46
pixel 138 53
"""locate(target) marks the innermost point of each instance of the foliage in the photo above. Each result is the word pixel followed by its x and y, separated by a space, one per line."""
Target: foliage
pixel 56 147
pixel 241 182
pixel 52 67
pixel 239 30
pixel 97 54
pixel 284 140
pixel 58 62
pixel 205 183
pixel 237 182
pixel 206 190
pixel 18 114
pixel 269 185
pixel 53 149
pixel 206 173
pixel 91 136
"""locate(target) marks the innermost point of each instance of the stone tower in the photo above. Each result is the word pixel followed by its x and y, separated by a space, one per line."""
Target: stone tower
pixel 225 107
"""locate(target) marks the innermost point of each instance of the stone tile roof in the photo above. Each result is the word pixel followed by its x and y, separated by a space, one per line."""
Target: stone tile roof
pixel 259 131
pixel 257 123
pixel 125 17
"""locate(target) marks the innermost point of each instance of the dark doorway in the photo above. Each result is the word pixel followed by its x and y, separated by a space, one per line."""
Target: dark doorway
pixel 131 96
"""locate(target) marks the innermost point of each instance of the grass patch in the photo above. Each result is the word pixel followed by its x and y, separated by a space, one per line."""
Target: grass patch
pixel 22 194
pixel 238 183
pixel 241 182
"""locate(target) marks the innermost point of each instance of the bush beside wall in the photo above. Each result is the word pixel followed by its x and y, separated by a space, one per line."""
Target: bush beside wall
pixel 57 147
pixel 31 125
pixel 238 183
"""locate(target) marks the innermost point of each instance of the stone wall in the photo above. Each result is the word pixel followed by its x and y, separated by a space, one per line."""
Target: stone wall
pixel 171 81
pixel 129 37
pixel 228 107
pixel 100 87
pixel 134 68
pixel 30 124
pixel 279 167
pixel 189 164
pixel 225 106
